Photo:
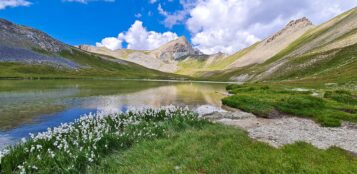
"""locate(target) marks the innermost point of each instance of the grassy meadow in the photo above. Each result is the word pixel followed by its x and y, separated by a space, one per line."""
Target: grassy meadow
pixel 215 148
pixel 329 108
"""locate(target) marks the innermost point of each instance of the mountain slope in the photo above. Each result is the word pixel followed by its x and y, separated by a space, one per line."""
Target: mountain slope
pixel 319 53
pixel 274 44
pixel 27 52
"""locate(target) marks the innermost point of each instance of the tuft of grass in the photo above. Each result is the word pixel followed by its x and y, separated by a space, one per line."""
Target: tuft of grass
pixel 216 148
pixel 341 96
pixel 263 101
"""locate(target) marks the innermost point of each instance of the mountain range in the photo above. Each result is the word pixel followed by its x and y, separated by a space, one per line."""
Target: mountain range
pixel 29 53
pixel 301 51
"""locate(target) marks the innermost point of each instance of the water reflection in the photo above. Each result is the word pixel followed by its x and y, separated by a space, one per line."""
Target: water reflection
pixel 178 94
pixel 34 106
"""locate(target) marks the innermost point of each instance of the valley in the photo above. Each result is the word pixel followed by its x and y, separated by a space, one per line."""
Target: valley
pixel 284 104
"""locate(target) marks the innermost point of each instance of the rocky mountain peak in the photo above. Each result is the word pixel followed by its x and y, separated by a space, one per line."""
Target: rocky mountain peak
pixel 182 40
pixel 177 49
pixel 291 27
pixel 299 22
pixel 19 36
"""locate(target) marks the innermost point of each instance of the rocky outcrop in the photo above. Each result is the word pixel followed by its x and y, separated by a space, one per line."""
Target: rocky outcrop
pixel 176 49
pixel 22 44
pixel 13 35
pixel 292 25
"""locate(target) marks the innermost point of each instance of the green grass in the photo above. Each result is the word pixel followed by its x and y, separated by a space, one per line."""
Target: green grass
pixel 215 148
pixel 264 101
pixel 190 66
pixel 341 96
pixel 312 65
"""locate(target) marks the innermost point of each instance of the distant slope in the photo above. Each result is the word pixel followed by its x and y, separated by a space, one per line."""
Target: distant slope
pixel 272 45
pixel 179 57
pixel 164 59
pixel 27 52
pixel 327 52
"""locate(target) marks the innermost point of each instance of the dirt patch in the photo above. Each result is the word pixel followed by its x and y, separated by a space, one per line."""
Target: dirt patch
pixel 275 114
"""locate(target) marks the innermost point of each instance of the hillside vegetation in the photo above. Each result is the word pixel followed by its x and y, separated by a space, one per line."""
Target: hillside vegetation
pixel 328 108
pixel 88 66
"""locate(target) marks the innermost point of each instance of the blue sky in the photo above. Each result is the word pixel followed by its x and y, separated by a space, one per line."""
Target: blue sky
pixel 210 25
pixel 78 23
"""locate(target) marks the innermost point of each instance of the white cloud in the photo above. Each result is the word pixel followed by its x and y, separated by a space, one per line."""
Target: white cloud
pixel 152 1
pixel 137 37
pixel 111 43
pixel 87 1
pixel 230 25
pixel 13 3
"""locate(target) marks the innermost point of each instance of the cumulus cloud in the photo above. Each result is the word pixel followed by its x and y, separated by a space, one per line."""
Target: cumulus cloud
pixel 13 3
pixel 137 37
pixel 87 1
pixel 111 43
pixel 230 25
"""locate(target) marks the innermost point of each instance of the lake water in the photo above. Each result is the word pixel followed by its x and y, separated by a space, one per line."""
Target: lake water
pixel 31 106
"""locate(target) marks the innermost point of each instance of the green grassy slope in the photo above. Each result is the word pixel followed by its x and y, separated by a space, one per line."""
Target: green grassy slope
pixel 196 66
pixel 92 66
pixel 222 149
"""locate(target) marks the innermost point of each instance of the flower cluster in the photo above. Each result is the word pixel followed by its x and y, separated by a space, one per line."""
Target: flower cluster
pixel 72 146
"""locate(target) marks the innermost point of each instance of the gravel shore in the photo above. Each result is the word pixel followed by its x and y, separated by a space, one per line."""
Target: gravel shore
pixel 286 130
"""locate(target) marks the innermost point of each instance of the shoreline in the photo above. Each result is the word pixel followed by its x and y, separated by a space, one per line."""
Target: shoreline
pixel 116 79
pixel 288 129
